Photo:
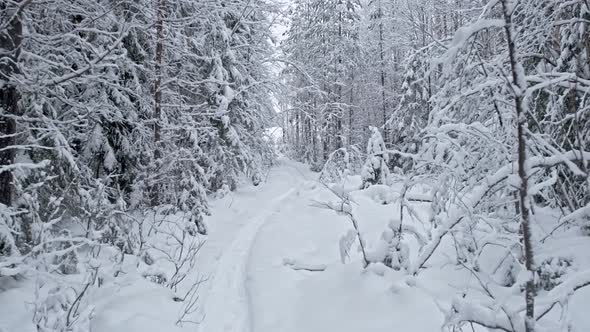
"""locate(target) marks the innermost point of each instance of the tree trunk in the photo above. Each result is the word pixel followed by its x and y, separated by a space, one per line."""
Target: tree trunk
pixel 382 76
pixel 519 88
pixel 298 146
pixel 350 110
pixel 339 71
pixel 157 116
pixel 158 69
pixel 10 41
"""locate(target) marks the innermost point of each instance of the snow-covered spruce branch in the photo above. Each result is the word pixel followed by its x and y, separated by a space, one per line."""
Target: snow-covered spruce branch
pixel 99 57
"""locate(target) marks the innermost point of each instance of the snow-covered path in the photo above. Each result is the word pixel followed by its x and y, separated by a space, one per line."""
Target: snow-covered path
pixel 250 289
pixel 257 230
pixel 236 221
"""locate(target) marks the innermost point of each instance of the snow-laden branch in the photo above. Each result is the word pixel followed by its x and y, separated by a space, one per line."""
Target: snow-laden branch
pixel 458 212
pixel 471 312
pixel 100 57
pixel 23 166
pixel 461 37
pixel 564 80
pixel 16 13
pixel 560 293
pixel 578 214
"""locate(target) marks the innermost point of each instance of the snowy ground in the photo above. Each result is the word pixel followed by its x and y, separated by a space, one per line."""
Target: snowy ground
pixel 257 230
pixel 262 239
pixel 266 237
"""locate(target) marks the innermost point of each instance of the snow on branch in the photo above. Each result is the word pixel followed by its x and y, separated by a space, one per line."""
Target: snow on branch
pixel 297 265
pixel 458 212
pixel 461 37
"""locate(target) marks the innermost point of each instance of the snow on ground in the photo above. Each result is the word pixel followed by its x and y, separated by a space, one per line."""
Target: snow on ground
pixel 130 303
pixel 261 240
pixel 343 297
pixel 226 301
pixel 251 289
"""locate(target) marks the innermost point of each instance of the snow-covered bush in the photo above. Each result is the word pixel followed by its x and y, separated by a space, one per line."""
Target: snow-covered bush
pixel 496 162
pixel 552 272
pixel 345 244
pixel 68 262
pixel 344 206
pixel 375 170
pixel 395 252
pixel 341 163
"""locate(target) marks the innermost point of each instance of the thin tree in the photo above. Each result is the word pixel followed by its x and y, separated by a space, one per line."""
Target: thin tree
pixel 518 87
pixel 10 41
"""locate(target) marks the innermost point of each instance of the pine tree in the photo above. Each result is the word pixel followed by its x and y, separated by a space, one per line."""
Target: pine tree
pixel 375 170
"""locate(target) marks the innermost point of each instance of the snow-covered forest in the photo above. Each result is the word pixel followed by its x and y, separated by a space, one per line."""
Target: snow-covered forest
pixel 294 165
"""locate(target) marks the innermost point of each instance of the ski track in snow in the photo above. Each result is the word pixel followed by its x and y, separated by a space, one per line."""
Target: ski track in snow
pixel 227 304
pixel 260 228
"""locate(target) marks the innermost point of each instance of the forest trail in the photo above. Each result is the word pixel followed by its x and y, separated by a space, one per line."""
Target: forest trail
pixel 236 221
pixel 258 234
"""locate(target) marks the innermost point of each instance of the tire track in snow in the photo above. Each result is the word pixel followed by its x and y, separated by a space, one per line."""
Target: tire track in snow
pixel 227 306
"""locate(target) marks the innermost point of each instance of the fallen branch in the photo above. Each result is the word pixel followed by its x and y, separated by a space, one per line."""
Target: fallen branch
pixel 296 265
